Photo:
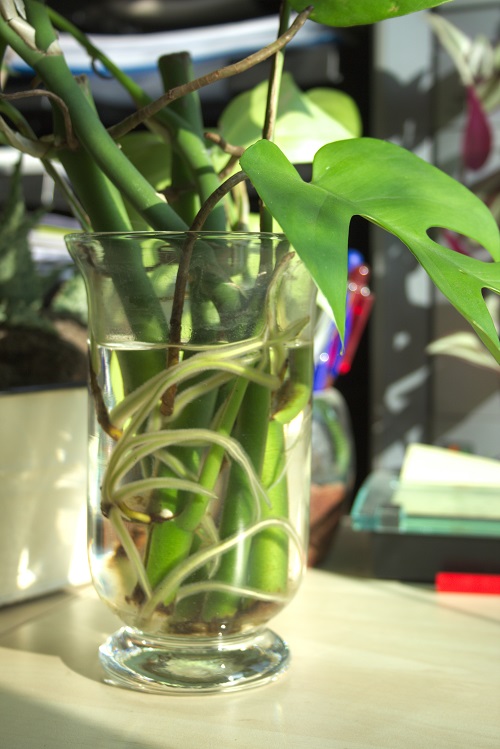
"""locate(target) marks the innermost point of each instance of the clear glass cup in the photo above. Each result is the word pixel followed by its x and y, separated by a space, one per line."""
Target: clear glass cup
pixel 199 451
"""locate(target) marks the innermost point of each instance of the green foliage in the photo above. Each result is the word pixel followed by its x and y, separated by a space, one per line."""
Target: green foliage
pixel 149 153
pixel 394 189
pixel 24 289
pixel 305 120
pixel 70 300
pixel 360 12
pixel 21 291
pixel 118 185
pixel 115 176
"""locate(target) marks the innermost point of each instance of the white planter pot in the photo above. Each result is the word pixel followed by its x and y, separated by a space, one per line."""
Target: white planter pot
pixel 43 477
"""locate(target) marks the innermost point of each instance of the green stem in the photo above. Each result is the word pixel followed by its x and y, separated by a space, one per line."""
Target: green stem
pixel 91 133
pixel 171 542
pixel 104 151
pixel 26 131
pixel 268 561
pixel 192 514
pixel 276 75
pixel 103 202
pixel 184 139
pixel 239 511
pixel 168 545
pixel 273 95
pixel 176 69
pixel 169 585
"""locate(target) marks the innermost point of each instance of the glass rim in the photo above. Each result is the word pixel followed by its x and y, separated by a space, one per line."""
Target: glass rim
pixel 83 236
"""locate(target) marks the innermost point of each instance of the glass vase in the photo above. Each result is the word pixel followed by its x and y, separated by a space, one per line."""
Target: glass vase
pixel 200 417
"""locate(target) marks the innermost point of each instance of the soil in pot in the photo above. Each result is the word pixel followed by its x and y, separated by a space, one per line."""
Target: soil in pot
pixel 33 357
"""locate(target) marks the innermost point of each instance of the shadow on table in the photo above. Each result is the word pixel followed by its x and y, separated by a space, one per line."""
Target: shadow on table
pixel 28 724
pixel 71 630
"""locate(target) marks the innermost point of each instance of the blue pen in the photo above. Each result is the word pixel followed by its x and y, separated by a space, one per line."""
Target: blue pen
pixel 322 358
pixel 328 350
pixel 355 261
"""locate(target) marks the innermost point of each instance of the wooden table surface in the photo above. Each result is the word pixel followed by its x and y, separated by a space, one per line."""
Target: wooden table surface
pixel 376 665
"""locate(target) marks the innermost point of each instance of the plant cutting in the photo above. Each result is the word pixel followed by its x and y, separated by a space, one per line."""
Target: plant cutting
pixel 201 319
pixel 477 63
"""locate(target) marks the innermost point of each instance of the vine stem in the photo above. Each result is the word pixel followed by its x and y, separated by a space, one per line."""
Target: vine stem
pixel 225 188
pixel 150 110
pixel 71 140
pixel 42 151
pixel 181 280
pixel 275 77
pixel 273 94
pixel 168 123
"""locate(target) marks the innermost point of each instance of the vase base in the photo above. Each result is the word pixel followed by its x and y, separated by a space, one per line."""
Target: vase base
pixel 169 665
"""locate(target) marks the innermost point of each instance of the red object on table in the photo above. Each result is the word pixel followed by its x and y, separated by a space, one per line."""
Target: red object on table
pixel 467 582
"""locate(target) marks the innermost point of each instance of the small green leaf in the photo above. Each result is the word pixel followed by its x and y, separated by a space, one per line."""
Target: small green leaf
pixel 150 154
pixel 339 106
pixel 361 12
pixel 394 189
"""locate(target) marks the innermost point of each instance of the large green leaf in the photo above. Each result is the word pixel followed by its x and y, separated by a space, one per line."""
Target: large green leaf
pixel 360 12
pixel 302 125
pixel 394 189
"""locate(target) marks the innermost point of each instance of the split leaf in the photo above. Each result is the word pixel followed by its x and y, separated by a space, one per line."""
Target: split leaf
pixel 394 189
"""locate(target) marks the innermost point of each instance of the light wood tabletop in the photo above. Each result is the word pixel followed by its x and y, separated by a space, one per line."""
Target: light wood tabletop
pixel 375 665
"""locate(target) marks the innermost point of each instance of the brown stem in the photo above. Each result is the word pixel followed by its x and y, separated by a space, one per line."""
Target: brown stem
pixel 231 163
pixel 145 113
pixel 101 411
pixel 234 152
pixel 224 145
pixel 214 198
pixel 168 396
pixel 240 197
pixel 273 94
pixel 71 140
pixel 275 77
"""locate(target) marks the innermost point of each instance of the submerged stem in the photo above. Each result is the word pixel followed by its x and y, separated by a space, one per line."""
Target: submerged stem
pixel 183 570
